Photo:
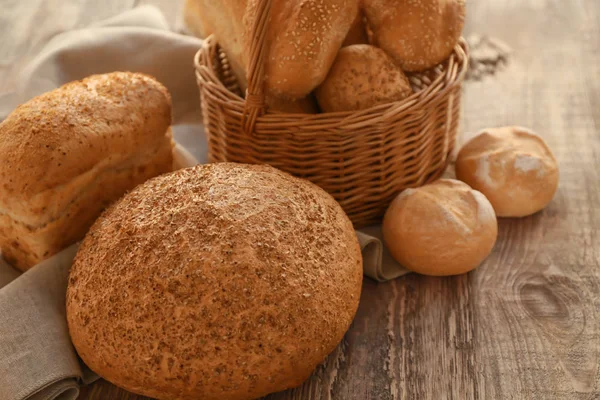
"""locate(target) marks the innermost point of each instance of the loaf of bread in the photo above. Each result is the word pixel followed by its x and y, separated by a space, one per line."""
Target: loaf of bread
pixel 224 19
pixel 444 228
pixel 221 281
pixel 513 167
pixel 303 38
pixel 69 153
pixel 417 34
pixel 362 76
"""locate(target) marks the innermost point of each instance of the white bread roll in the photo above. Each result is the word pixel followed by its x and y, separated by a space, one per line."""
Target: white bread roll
pixel 416 34
pixel 444 228
pixel 221 281
pixel 362 76
pixel 513 167
pixel 303 39
pixel 69 153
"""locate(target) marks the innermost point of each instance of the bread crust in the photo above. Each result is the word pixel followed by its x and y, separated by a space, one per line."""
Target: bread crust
pixel 225 20
pixel 444 228
pixel 65 155
pixel 513 167
pixel 362 76
pixel 221 281
pixel 303 39
pixel 417 34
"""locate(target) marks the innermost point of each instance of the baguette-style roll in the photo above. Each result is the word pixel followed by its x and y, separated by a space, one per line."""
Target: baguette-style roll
pixel 303 39
pixel 225 20
pixel 69 153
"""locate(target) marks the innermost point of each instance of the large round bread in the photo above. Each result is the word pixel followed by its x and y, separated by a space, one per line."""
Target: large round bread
pixel 222 281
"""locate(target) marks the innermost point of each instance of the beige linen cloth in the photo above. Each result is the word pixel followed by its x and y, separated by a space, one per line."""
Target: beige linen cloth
pixel 37 360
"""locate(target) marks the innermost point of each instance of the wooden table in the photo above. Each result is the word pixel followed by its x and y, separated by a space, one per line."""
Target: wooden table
pixel 526 324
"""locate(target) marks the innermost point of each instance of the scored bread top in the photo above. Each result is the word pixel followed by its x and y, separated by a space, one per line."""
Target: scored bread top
pixel 60 135
pixel 218 281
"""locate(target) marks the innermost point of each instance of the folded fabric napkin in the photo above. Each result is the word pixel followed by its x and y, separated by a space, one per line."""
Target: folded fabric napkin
pixel 37 359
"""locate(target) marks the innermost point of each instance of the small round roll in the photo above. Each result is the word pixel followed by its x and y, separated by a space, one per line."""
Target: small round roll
pixel 445 228
pixel 513 167
pixel 362 76
pixel 417 34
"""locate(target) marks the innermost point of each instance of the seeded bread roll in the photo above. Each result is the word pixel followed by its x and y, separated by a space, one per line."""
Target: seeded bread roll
pixel 303 38
pixel 513 167
pixel 362 76
pixel 416 34
pixel 444 228
pixel 221 281
pixel 69 153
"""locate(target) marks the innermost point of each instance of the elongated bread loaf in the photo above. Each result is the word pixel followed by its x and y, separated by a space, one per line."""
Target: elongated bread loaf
pixel 69 153
pixel 303 39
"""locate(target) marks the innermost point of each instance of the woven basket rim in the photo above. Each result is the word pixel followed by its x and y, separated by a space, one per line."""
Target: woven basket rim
pixel 454 71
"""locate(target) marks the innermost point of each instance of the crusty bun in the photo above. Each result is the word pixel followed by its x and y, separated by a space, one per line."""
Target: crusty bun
pixel 69 153
pixel 362 76
pixel 303 38
pixel 445 228
pixel 221 281
pixel 513 167
pixel 225 20
pixel 417 34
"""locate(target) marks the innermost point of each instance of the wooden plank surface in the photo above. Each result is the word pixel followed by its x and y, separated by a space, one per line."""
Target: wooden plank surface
pixel 526 324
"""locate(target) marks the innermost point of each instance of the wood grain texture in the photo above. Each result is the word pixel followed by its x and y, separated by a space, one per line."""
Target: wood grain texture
pixel 526 324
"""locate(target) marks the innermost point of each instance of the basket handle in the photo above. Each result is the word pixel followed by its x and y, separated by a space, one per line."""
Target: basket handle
pixel 254 106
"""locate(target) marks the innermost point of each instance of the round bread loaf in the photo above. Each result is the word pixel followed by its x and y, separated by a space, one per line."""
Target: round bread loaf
pixel 445 228
pixel 417 34
pixel 362 76
pixel 221 281
pixel 513 167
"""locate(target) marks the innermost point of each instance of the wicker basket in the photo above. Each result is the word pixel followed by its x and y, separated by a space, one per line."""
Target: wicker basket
pixel 363 158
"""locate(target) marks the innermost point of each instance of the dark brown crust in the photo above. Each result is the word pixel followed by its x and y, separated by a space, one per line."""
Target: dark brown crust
pixel 213 282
